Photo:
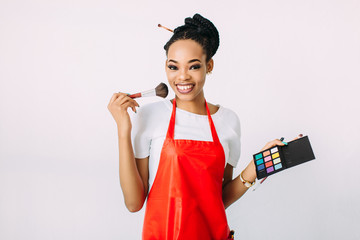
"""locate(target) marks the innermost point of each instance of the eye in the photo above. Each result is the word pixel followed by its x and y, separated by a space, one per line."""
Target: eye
pixel 197 66
pixel 172 67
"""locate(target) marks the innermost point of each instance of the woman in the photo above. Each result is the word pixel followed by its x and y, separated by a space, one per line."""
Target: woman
pixel 182 167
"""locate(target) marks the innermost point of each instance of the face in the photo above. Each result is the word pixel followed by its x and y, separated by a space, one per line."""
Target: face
pixel 186 69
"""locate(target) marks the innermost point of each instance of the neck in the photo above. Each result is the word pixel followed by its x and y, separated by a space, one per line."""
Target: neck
pixel 196 106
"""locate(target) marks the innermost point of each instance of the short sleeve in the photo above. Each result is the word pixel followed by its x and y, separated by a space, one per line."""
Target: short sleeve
pixel 234 143
pixel 140 133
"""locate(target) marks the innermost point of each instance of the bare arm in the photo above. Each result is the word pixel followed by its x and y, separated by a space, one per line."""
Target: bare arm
pixel 133 172
pixel 133 175
pixel 234 189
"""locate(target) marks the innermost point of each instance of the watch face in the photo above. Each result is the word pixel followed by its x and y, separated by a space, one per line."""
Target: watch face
pixel 247 184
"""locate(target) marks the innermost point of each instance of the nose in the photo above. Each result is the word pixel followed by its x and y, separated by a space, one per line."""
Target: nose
pixel 184 75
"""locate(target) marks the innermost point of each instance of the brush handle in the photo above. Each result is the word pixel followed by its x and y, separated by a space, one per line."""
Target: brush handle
pixel 149 93
pixel 135 95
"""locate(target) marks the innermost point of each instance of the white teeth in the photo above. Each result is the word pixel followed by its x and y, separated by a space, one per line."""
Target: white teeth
pixel 184 87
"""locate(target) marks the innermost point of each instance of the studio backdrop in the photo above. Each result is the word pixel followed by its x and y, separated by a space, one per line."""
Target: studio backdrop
pixel 284 67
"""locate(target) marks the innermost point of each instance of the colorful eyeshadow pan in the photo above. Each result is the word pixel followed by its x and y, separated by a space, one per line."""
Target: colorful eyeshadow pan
pixel 268 164
pixel 268 161
pixel 268 158
pixel 278 158
pixel 273 150
pixel 276 161
pixel 258 162
pixel 261 167
pixel 278 166
pixel 266 153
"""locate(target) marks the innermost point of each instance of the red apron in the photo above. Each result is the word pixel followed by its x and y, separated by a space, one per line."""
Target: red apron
pixel 185 201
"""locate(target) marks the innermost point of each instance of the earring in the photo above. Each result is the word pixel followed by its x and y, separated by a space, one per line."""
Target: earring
pixel 210 72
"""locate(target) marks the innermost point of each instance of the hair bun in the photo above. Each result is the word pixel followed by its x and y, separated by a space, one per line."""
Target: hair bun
pixel 199 29
pixel 199 23
pixel 205 27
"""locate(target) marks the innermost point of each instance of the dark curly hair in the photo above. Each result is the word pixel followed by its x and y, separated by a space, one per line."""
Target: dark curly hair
pixel 199 29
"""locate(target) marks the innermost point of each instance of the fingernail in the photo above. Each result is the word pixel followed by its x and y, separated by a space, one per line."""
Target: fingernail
pixel 300 135
pixel 285 143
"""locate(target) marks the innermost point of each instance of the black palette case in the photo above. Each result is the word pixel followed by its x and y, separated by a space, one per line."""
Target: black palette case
pixel 278 158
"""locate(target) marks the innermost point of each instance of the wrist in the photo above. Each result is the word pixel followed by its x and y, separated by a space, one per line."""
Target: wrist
pixel 123 133
pixel 249 174
pixel 247 183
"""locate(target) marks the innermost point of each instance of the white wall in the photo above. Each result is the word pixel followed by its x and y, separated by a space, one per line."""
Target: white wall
pixel 285 67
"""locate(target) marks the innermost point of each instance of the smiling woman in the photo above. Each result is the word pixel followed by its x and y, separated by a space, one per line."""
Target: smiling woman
pixel 186 71
pixel 180 154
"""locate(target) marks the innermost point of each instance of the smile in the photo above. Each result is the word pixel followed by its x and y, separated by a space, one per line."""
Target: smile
pixel 184 88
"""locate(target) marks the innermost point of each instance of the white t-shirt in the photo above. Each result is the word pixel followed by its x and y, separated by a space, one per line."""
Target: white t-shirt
pixel 151 122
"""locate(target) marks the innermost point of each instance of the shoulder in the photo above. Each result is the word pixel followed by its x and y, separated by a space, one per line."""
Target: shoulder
pixel 150 117
pixel 223 112
pixel 152 109
pixel 228 118
pixel 152 113
pixel 230 115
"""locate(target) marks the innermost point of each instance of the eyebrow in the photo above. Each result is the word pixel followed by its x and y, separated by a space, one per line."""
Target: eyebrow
pixel 190 61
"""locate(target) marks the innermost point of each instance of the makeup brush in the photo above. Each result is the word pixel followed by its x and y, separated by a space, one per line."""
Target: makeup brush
pixel 161 91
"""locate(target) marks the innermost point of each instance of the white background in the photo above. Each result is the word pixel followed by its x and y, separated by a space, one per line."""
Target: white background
pixel 285 67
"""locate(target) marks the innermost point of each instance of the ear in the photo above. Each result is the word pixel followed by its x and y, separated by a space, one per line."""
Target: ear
pixel 210 66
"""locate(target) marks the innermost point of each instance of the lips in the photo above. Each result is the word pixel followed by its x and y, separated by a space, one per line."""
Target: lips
pixel 184 88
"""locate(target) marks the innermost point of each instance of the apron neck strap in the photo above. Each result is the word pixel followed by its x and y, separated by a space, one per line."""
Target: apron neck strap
pixel 171 130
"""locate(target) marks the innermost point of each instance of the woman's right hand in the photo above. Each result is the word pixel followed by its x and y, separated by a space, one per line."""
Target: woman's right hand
pixel 118 105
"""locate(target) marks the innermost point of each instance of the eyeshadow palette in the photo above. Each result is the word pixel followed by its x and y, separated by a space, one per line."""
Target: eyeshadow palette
pixel 278 158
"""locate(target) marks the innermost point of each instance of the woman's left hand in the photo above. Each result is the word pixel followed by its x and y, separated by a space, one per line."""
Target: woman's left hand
pixel 277 142
pixel 250 172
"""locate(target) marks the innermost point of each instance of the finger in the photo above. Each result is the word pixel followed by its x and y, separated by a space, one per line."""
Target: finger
pixel 299 136
pixel 133 100
pixel 273 143
pixel 277 142
pixel 129 104
pixel 122 103
pixel 115 96
pixel 124 98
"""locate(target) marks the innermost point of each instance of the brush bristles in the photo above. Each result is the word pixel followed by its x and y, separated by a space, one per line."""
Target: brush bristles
pixel 162 90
